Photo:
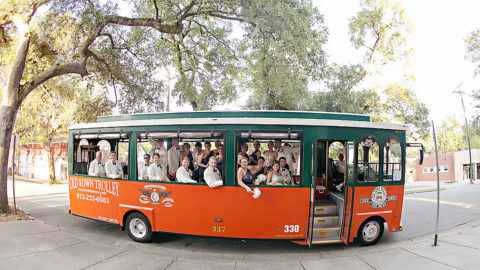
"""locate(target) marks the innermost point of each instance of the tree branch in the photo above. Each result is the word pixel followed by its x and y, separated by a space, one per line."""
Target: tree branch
pixel 156 9
pixel 147 22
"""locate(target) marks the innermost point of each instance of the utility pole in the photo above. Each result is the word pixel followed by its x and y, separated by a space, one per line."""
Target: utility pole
pixel 470 169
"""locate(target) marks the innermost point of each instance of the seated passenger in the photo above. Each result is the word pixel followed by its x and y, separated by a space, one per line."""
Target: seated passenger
pixel 212 174
pixel 244 175
pixel 243 152
pixel 159 148
pixel 258 169
pixel 96 167
pixel 155 171
pixel 113 168
pixel 219 157
pixel 270 155
pixel 203 160
pixel 284 171
pixel 340 166
pixel 275 177
pixel 184 174
pixel 255 154
pixel 187 153
pixel 143 167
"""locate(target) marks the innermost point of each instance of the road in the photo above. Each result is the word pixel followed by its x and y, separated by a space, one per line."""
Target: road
pixel 459 205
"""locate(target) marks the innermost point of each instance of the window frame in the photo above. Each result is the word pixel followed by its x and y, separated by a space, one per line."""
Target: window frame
pixel 98 136
pixel 237 135
pixel 380 168
pixel 222 132
pixel 401 163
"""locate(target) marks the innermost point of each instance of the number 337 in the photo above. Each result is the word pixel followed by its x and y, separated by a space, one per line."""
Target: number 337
pixel 291 228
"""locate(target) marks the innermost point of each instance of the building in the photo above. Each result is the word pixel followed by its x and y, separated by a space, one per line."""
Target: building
pixel 452 167
pixel 32 160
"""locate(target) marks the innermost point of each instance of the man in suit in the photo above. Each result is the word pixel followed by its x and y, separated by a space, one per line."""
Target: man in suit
pixel 96 167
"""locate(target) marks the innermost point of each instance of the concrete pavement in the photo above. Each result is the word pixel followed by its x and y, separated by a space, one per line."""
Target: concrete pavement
pixel 32 244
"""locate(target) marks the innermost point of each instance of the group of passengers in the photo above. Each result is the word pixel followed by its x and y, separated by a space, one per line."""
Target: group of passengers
pixel 275 167
pixel 181 164
pixel 112 168
pixel 205 165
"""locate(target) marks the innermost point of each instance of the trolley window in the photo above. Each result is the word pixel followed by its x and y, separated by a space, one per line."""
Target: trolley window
pixel 272 157
pixel 392 160
pixel 101 154
pixel 160 154
pixel 368 159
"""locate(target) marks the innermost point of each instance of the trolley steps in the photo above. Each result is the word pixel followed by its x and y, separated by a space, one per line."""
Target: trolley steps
pixel 326 227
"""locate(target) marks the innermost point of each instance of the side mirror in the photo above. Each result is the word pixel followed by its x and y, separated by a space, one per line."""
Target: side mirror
pixel 420 160
pixel 422 151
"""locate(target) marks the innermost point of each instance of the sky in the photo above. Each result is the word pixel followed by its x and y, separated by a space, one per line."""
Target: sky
pixel 438 63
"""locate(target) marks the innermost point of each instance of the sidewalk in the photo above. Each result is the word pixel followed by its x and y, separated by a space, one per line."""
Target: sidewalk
pixel 31 188
pixel 35 245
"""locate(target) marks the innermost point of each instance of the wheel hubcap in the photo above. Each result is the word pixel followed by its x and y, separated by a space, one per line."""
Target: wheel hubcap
pixel 371 230
pixel 138 228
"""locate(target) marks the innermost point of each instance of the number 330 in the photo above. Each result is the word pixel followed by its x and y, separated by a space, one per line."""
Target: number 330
pixel 291 228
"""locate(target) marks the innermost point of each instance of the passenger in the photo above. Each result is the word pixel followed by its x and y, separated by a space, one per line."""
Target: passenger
pixel 184 174
pixel 219 157
pixel 256 153
pixel 196 154
pixel 159 148
pixel 243 152
pixel 284 171
pixel 290 152
pixel 113 168
pixel 217 143
pixel 203 160
pixel 275 177
pixel 155 171
pixel 279 149
pixel 96 167
pixel 212 174
pixel 173 158
pixel 270 155
pixel 258 169
pixel 143 167
pixel 340 166
pixel 187 153
pixel 244 175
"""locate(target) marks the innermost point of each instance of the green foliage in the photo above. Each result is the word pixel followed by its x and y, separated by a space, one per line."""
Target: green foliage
pixel 340 97
pixel 380 28
pixel 451 136
pixel 473 49
pixel 48 111
pixel 284 52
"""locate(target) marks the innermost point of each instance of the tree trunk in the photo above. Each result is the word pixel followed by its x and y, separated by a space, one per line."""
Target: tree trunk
pixel 51 161
pixel 7 118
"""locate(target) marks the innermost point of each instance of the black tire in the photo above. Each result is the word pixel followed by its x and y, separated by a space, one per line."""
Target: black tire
pixel 139 228
pixel 370 232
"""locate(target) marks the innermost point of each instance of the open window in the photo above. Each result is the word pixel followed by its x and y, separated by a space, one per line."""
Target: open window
pixel 167 149
pixel 263 148
pixel 87 145
pixel 368 159
pixel 392 160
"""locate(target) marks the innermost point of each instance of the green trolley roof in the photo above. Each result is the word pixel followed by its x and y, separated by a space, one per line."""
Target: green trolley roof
pixel 285 118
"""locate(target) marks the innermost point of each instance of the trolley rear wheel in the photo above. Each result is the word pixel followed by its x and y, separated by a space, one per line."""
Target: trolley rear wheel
pixel 370 232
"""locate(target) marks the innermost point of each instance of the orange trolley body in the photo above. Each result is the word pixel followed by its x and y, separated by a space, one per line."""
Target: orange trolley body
pixel 280 213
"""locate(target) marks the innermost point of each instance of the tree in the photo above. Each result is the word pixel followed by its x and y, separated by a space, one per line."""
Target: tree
pixel 95 40
pixel 48 111
pixel 451 135
pixel 284 53
pixel 472 43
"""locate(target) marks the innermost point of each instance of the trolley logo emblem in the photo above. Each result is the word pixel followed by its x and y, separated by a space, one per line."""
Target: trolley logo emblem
pixel 153 193
pixel 379 198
